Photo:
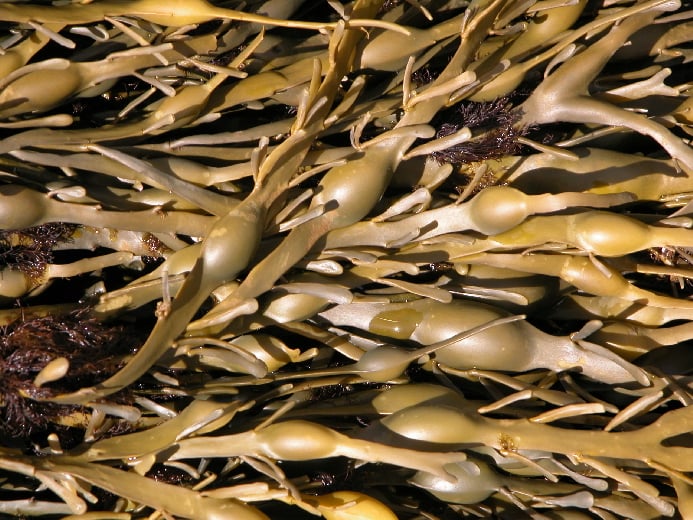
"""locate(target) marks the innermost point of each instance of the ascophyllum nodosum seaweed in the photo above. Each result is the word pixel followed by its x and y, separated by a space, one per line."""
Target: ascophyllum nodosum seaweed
pixel 444 239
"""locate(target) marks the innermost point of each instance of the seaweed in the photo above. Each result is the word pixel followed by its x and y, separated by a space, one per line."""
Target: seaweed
pixel 349 260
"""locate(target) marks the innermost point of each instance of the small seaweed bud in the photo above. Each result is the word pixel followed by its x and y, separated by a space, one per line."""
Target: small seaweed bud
pixel 611 234
pixel 382 364
pixel 21 207
pixel 14 284
pixel 53 371
pixel 498 208
pixel 403 396
pixel 298 440
pixel 40 90
pixel 436 424
pixel 475 482
pixel 351 505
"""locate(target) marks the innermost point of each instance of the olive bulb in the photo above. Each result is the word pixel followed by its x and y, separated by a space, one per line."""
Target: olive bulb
pixel 497 209
pixel 475 482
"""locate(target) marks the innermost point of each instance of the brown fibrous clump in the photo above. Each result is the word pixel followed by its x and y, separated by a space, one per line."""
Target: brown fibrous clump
pixel 29 250
pixel 497 132
pixel 94 351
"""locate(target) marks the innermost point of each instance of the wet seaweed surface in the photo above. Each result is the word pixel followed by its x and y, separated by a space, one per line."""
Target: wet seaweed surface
pixel 417 259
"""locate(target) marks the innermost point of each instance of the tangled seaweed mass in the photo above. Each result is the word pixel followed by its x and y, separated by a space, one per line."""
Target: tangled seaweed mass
pixel 422 259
